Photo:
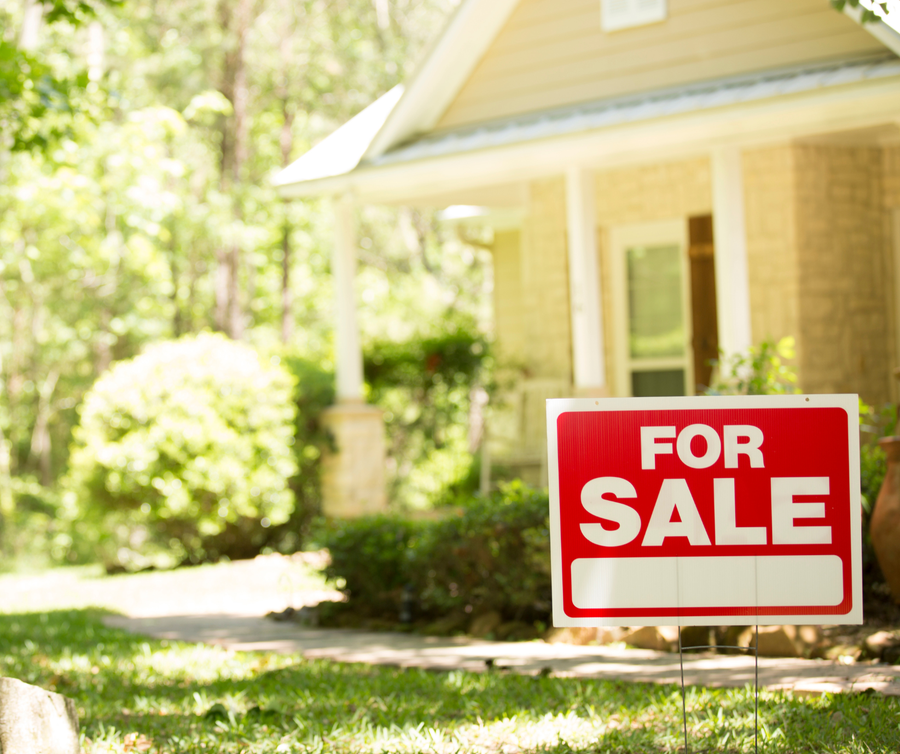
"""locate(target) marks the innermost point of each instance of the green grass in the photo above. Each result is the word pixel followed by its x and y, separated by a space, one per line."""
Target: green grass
pixel 137 694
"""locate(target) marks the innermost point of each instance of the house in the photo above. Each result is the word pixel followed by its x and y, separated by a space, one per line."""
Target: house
pixel 664 179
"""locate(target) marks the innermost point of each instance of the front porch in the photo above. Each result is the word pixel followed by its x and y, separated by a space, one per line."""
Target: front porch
pixel 790 201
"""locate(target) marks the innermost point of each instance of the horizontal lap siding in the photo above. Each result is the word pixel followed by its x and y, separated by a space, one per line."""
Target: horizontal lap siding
pixel 553 53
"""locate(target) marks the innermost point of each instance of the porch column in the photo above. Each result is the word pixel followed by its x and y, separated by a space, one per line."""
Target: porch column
pixel 730 244
pixel 588 362
pixel 353 482
pixel 348 356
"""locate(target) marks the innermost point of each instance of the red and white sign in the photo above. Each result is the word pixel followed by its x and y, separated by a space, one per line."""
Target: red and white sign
pixel 705 511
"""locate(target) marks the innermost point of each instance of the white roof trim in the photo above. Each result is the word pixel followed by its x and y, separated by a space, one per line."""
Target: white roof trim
pixel 444 72
pixel 742 123
pixel 885 34
pixel 342 151
pixel 697 97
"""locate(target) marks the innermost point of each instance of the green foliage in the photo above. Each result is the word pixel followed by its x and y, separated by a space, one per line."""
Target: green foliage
pixel 178 442
pixel 425 384
pixel 370 558
pixel 313 393
pixel 867 16
pixel 495 555
pixel 760 371
pixel 491 555
pixel 135 693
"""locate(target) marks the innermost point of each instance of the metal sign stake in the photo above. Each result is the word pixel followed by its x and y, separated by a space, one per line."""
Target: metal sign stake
pixel 755 650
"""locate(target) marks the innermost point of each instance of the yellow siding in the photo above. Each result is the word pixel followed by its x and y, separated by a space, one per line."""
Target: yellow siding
pixel 891 172
pixel 845 272
pixel 553 52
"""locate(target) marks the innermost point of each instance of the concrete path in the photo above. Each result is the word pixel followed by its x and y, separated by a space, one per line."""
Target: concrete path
pixel 249 633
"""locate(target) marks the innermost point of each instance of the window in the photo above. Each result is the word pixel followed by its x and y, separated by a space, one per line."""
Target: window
pixel 623 14
pixel 651 297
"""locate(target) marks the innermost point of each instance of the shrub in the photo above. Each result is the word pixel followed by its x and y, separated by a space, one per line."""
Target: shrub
pixel 494 554
pixel 424 385
pixel 313 393
pixel 370 555
pixel 760 371
pixel 177 443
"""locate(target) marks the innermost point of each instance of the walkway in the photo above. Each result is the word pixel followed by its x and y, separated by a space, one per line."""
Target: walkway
pixel 249 633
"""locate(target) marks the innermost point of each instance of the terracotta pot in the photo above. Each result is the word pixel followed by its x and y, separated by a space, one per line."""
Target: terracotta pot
pixel 884 526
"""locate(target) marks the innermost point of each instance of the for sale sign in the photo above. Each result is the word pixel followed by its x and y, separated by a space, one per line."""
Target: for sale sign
pixel 713 510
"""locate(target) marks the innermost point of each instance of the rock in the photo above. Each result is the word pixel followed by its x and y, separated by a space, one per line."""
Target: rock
pixel 653 637
pixel 783 641
pixel 611 634
pixel 583 635
pixel 578 635
pixel 485 624
pixel 35 721
pixel 883 646
pixel 729 636
pixel 694 636
pixel 845 654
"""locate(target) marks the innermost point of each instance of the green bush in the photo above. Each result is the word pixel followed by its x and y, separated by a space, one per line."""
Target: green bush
pixel 178 443
pixel 370 560
pixel 493 554
pixel 424 385
pixel 313 393
pixel 760 371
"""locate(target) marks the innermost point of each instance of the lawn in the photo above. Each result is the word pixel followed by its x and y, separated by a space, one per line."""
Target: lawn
pixel 137 694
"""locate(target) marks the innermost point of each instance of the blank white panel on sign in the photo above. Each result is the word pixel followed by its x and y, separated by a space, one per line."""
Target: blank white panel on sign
pixel 699 582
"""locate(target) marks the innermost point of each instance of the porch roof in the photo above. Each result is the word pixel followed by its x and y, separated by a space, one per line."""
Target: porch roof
pixel 680 100
pixel 326 168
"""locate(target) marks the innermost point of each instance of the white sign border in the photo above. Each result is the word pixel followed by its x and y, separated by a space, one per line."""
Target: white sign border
pixel 847 402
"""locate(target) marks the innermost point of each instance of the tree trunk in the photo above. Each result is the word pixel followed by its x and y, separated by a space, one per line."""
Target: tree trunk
pixel 235 132
pixel 287 314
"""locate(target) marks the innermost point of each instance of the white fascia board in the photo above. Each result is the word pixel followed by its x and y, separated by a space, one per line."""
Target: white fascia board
pixel 438 80
pixel 341 151
pixel 674 137
pixel 878 29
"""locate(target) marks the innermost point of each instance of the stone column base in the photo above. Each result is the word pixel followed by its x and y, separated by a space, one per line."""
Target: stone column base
pixel 353 479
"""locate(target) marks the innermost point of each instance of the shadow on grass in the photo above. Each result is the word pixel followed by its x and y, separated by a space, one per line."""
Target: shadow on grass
pixel 192 698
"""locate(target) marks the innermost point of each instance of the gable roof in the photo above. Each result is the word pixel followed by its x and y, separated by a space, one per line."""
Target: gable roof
pixel 387 131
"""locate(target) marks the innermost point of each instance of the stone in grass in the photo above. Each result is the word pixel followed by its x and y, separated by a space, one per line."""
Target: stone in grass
pixel 659 638
pixel 35 721
pixel 883 646
pixel 783 641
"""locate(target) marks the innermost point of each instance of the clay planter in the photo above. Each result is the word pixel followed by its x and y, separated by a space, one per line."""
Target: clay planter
pixel 884 527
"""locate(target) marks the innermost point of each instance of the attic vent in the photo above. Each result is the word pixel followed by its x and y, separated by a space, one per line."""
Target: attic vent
pixel 623 14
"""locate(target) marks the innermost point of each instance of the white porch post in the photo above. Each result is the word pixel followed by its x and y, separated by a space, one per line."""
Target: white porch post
pixel 730 244
pixel 353 480
pixel 348 352
pixel 588 367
